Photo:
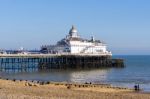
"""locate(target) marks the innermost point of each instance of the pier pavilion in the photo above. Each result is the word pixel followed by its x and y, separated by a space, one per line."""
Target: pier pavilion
pixel 74 44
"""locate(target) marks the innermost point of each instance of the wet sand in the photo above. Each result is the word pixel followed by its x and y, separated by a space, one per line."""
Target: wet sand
pixel 16 89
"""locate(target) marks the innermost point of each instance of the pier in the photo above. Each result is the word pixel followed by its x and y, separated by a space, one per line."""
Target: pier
pixel 23 62
pixel 71 52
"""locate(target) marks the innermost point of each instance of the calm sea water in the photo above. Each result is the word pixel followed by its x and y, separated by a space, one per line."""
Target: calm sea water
pixel 136 71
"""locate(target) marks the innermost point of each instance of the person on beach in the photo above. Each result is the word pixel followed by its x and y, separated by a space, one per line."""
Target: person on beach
pixel 138 87
pixel 135 87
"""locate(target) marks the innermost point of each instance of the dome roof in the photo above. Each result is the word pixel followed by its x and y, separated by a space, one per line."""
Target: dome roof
pixel 73 33
pixel 73 30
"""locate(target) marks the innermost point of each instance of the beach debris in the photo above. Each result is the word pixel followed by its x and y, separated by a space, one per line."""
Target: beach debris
pixel 14 80
pixel 30 84
pixel 68 87
pixel 48 82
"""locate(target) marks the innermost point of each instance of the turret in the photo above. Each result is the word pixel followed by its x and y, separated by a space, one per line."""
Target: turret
pixel 92 39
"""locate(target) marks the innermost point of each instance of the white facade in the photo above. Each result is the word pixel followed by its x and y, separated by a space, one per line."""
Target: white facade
pixel 87 47
pixel 73 44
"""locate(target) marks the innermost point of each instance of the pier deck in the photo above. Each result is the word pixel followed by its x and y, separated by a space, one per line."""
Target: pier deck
pixel 50 55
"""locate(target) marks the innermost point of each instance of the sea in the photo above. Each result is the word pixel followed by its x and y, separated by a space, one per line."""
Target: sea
pixel 136 71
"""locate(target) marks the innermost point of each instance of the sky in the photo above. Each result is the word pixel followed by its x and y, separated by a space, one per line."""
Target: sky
pixel 123 24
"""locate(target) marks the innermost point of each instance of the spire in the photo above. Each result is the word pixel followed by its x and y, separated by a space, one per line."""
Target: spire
pixel 73 27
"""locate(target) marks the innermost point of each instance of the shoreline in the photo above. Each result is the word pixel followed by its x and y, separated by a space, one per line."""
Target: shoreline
pixel 10 89
pixel 89 84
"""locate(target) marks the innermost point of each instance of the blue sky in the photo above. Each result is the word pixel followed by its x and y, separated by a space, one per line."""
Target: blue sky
pixel 123 24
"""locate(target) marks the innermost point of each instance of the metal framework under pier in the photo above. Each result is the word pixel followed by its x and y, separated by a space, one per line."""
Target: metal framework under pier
pixel 21 63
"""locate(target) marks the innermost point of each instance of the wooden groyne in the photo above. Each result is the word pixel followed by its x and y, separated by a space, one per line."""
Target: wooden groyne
pixel 56 61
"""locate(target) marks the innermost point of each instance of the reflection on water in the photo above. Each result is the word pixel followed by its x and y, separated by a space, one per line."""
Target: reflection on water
pixel 94 75
pixel 89 76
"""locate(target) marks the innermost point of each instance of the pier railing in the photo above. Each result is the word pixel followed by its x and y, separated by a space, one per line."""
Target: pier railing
pixel 50 55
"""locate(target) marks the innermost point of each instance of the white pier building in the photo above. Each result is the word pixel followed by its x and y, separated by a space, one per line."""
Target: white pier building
pixel 74 44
